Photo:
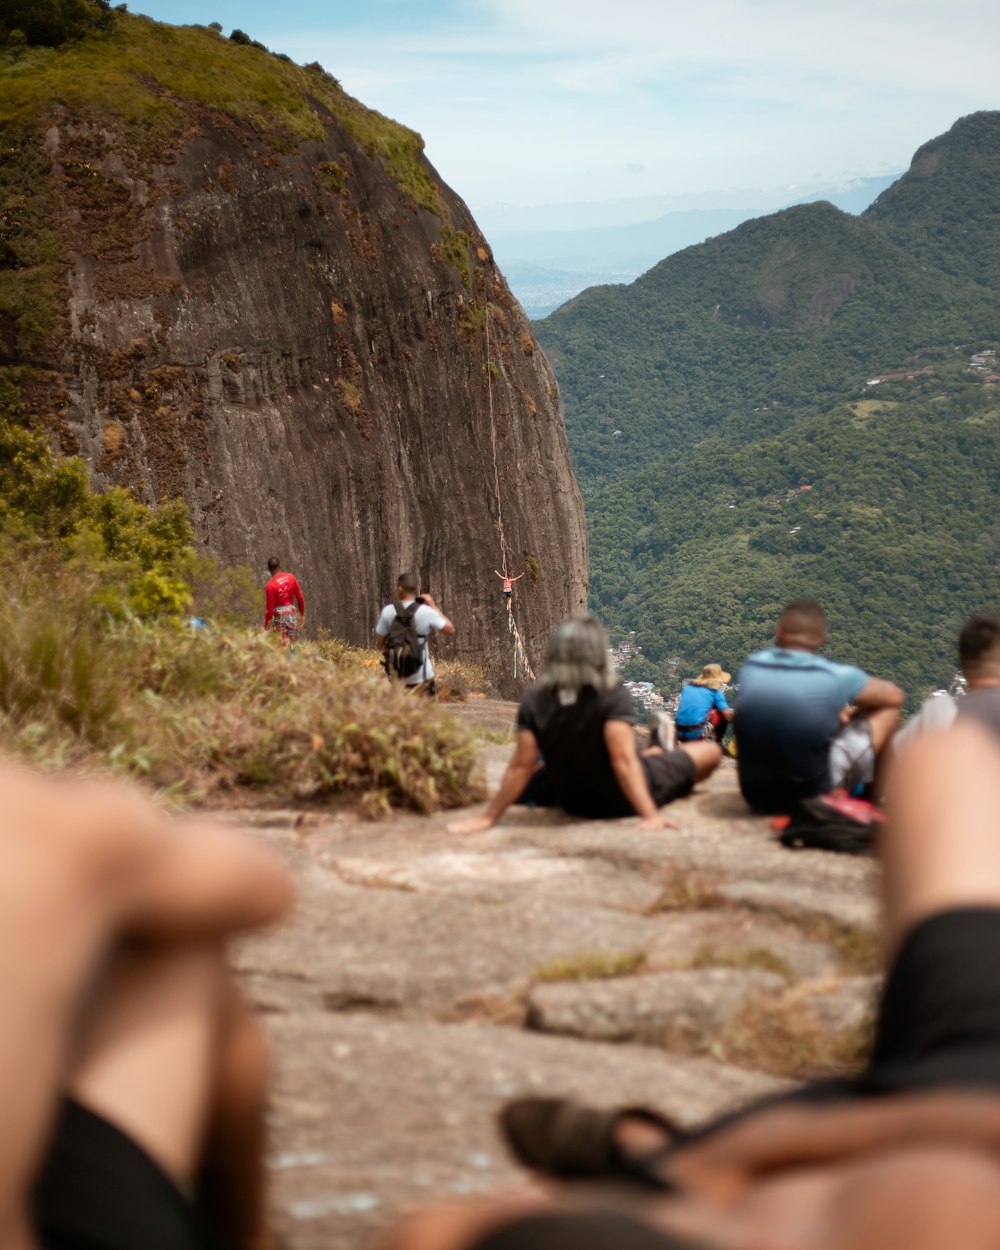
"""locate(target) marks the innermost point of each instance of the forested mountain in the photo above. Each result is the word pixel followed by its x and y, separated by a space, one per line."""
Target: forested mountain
pixel 792 408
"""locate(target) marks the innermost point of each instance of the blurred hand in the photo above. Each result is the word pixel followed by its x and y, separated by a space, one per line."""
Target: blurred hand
pixel 470 824
pixel 660 821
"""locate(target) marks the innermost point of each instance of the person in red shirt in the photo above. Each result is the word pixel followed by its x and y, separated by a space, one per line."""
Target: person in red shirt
pixel 285 607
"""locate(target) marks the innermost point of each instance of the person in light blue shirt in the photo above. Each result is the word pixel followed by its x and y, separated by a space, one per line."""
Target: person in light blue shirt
pixel 805 725
pixel 703 700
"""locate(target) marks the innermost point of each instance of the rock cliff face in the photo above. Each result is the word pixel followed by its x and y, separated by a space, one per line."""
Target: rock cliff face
pixel 321 365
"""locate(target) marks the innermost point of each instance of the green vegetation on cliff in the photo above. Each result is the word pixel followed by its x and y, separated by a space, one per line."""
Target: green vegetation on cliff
pixel 147 82
pixel 734 449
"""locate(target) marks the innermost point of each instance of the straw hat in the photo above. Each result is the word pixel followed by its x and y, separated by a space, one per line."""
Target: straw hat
pixel 713 676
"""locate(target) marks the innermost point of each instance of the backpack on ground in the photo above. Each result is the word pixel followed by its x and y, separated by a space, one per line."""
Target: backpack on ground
pixel 404 647
pixel 833 822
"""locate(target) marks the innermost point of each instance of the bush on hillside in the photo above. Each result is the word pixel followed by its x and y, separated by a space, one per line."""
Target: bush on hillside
pixel 200 712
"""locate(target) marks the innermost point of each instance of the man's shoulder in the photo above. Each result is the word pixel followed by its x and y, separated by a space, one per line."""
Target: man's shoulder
pixel 431 617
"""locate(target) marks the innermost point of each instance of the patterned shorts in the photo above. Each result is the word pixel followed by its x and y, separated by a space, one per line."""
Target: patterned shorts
pixel 286 622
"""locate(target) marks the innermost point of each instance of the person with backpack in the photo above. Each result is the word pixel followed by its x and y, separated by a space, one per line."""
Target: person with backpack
pixel 402 631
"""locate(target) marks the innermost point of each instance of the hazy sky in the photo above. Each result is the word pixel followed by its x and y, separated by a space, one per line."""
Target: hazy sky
pixel 527 102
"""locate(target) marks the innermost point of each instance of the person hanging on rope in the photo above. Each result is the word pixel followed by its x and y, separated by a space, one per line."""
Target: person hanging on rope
pixel 508 583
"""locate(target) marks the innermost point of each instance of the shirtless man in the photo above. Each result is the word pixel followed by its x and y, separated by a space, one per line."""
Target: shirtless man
pixel 904 1157
pixel 131 1076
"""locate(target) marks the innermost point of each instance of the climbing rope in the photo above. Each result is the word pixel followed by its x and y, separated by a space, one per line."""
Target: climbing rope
pixel 519 652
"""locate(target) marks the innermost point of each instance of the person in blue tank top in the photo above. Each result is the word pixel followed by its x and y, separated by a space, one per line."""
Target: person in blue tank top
pixel 805 725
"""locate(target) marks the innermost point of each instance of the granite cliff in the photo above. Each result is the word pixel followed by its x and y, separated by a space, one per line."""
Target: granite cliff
pixel 226 280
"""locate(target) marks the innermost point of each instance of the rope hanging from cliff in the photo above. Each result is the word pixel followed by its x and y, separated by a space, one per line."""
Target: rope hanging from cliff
pixel 519 652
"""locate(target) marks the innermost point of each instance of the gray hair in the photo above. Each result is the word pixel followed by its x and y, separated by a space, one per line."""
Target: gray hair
pixel 577 658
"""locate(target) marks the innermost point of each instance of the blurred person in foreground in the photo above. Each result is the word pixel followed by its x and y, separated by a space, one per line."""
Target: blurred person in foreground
pixel 904 1156
pixel 579 717
pixel 132 1077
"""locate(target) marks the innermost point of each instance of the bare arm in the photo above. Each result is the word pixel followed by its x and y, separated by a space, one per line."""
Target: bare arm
pixel 447 628
pixel 81 864
pixel 619 738
pixel 876 693
pixel 205 881
pixel 520 770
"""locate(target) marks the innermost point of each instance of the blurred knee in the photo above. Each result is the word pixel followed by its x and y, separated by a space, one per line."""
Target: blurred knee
pixel 706 757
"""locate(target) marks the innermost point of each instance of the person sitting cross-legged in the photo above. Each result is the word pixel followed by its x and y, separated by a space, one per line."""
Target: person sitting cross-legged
pixel 579 717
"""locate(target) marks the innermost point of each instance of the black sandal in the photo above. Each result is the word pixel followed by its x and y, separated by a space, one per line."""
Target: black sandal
pixel 562 1138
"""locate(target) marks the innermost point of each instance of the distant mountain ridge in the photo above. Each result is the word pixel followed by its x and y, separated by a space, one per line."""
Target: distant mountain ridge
pixel 574 257
pixel 703 398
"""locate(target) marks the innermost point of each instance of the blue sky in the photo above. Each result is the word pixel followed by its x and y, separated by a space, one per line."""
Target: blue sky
pixel 665 102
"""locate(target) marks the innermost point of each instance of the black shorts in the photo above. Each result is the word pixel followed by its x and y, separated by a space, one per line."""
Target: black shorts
pixel 939 1019
pixel 669 774
pixel 98 1190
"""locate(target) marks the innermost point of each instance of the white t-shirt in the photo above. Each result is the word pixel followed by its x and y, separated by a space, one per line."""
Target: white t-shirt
pixel 426 619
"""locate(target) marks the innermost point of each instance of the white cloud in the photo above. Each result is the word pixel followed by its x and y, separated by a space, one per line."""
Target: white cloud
pixel 521 100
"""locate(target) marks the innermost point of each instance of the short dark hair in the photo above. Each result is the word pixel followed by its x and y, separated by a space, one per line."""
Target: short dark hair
pixel 979 641
pixel 273 565
pixel 408 581
pixel 803 612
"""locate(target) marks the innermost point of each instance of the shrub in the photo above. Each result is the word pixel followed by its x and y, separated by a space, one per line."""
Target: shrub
pixel 205 711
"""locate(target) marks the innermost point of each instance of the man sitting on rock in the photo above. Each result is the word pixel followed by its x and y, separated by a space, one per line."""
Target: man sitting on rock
pixel 979 660
pixel 805 725
pixel 580 717
pixel 904 1155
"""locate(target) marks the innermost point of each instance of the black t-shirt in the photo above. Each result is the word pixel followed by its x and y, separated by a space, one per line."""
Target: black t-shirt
pixel 571 738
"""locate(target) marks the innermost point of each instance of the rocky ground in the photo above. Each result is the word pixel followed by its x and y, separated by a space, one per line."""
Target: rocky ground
pixel 423 981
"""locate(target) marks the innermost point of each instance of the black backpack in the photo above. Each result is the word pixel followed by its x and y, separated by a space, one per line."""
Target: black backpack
pixel 404 648
pixel 820 824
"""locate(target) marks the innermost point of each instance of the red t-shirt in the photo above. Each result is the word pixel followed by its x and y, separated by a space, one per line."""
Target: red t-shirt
pixel 281 590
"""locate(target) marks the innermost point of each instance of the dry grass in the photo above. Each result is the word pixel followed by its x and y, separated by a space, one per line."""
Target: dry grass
pixel 859 950
pixel 753 959
pixel 215 712
pixel 687 889
pixel 591 966
pixel 785 1038
pixel 492 1009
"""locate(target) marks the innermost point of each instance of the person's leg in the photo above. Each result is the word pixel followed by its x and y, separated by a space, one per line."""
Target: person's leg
pixel 167 1055
pixel 883 723
pixel 706 756
pixel 941 845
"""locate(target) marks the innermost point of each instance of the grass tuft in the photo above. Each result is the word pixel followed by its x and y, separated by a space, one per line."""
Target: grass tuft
pixel 687 889
pixel 755 959
pixel 591 966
